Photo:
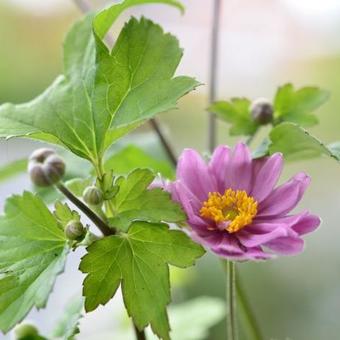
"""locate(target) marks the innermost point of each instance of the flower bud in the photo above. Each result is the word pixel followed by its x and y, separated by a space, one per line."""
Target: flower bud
pixel 75 231
pixel 45 167
pixel 93 195
pixel 262 111
pixel 25 331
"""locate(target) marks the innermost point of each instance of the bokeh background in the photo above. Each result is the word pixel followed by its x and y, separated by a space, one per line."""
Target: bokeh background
pixel 263 43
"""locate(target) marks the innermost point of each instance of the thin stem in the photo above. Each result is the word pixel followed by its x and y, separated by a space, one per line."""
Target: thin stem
pixel 102 226
pixel 140 335
pixel 252 328
pixel 166 145
pixel 232 330
pixel 214 49
pixel 250 139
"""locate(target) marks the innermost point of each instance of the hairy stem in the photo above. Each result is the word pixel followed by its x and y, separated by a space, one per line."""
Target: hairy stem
pixel 213 68
pixel 232 330
pixel 102 226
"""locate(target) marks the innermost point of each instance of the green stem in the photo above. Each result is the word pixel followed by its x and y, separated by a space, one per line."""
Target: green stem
pixel 249 322
pixel 232 329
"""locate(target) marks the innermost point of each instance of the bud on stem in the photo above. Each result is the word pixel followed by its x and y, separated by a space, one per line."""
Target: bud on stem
pixel 45 167
pixel 93 195
pixel 262 111
pixel 25 331
pixel 75 231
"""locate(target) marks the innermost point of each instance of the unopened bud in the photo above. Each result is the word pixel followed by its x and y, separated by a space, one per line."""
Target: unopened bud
pixel 25 331
pixel 45 167
pixel 75 231
pixel 93 195
pixel 262 111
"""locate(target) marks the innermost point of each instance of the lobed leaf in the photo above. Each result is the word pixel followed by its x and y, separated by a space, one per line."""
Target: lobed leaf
pixel 103 94
pixel 237 113
pixel 33 251
pixel 136 201
pixel 298 106
pixel 139 260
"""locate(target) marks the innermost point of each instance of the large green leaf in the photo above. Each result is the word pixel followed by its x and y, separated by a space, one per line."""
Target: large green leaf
pixel 132 157
pixel 135 201
pixel 33 250
pixel 139 260
pixel 298 106
pixel 237 113
pixel 296 143
pixel 103 94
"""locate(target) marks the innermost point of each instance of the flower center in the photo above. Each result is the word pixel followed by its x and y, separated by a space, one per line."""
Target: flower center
pixel 231 211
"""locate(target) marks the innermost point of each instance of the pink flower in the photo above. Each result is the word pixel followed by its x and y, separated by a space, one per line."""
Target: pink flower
pixel 233 207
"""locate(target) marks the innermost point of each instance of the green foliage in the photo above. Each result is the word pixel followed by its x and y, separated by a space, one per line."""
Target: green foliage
pixel 104 20
pixel 64 214
pixel 27 276
pixel 78 185
pixel 67 326
pixel 296 144
pixel 132 157
pixel 298 106
pixel 103 94
pixel 237 113
pixel 12 169
pixel 139 259
pixel 134 201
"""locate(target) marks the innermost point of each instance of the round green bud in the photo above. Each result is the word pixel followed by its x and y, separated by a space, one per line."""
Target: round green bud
pixel 75 231
pixel 25 331
pixel 93 195
pixel 45 167
pixel 262 111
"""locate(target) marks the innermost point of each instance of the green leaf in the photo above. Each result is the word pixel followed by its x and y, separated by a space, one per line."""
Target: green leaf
pixel 64 214
pixel 33 251
pixel 237 113
pixel 78 185
pixel 134 201
pixel 103 94
pixel 138 259
pixel 298 106
pixel 132 157
pixel 67 326
pixel 201 314
pixel 107 17
pixel 12 169
pixel 296 143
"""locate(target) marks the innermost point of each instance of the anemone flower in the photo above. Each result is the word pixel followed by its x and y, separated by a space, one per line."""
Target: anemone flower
pixel 233 207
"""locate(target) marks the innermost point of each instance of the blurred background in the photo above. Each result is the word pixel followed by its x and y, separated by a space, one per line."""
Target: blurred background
pixel 263 44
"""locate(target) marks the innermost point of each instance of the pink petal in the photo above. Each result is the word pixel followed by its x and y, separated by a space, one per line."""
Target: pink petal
pixel 240 171
pixel 286 245
pixel 306 224
pixel 193 172
pixel 259 234
pixel 219 166
pixel 266 177
pixel 284 198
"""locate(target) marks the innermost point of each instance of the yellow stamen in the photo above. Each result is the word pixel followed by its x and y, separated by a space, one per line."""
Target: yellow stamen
pixel 235 207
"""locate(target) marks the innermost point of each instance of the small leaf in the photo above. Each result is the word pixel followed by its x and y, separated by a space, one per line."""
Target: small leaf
pixel 107 17
pixel 140 259
pixel 67 326
pixel 298 106
pixel 296 143
pixel 64 214
pixel 78 185
pixel 134 201
pixel 33 251
pixel 237 113
pixel 132 157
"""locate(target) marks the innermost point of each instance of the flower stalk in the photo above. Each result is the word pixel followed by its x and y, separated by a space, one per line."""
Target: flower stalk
pixel 232 329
